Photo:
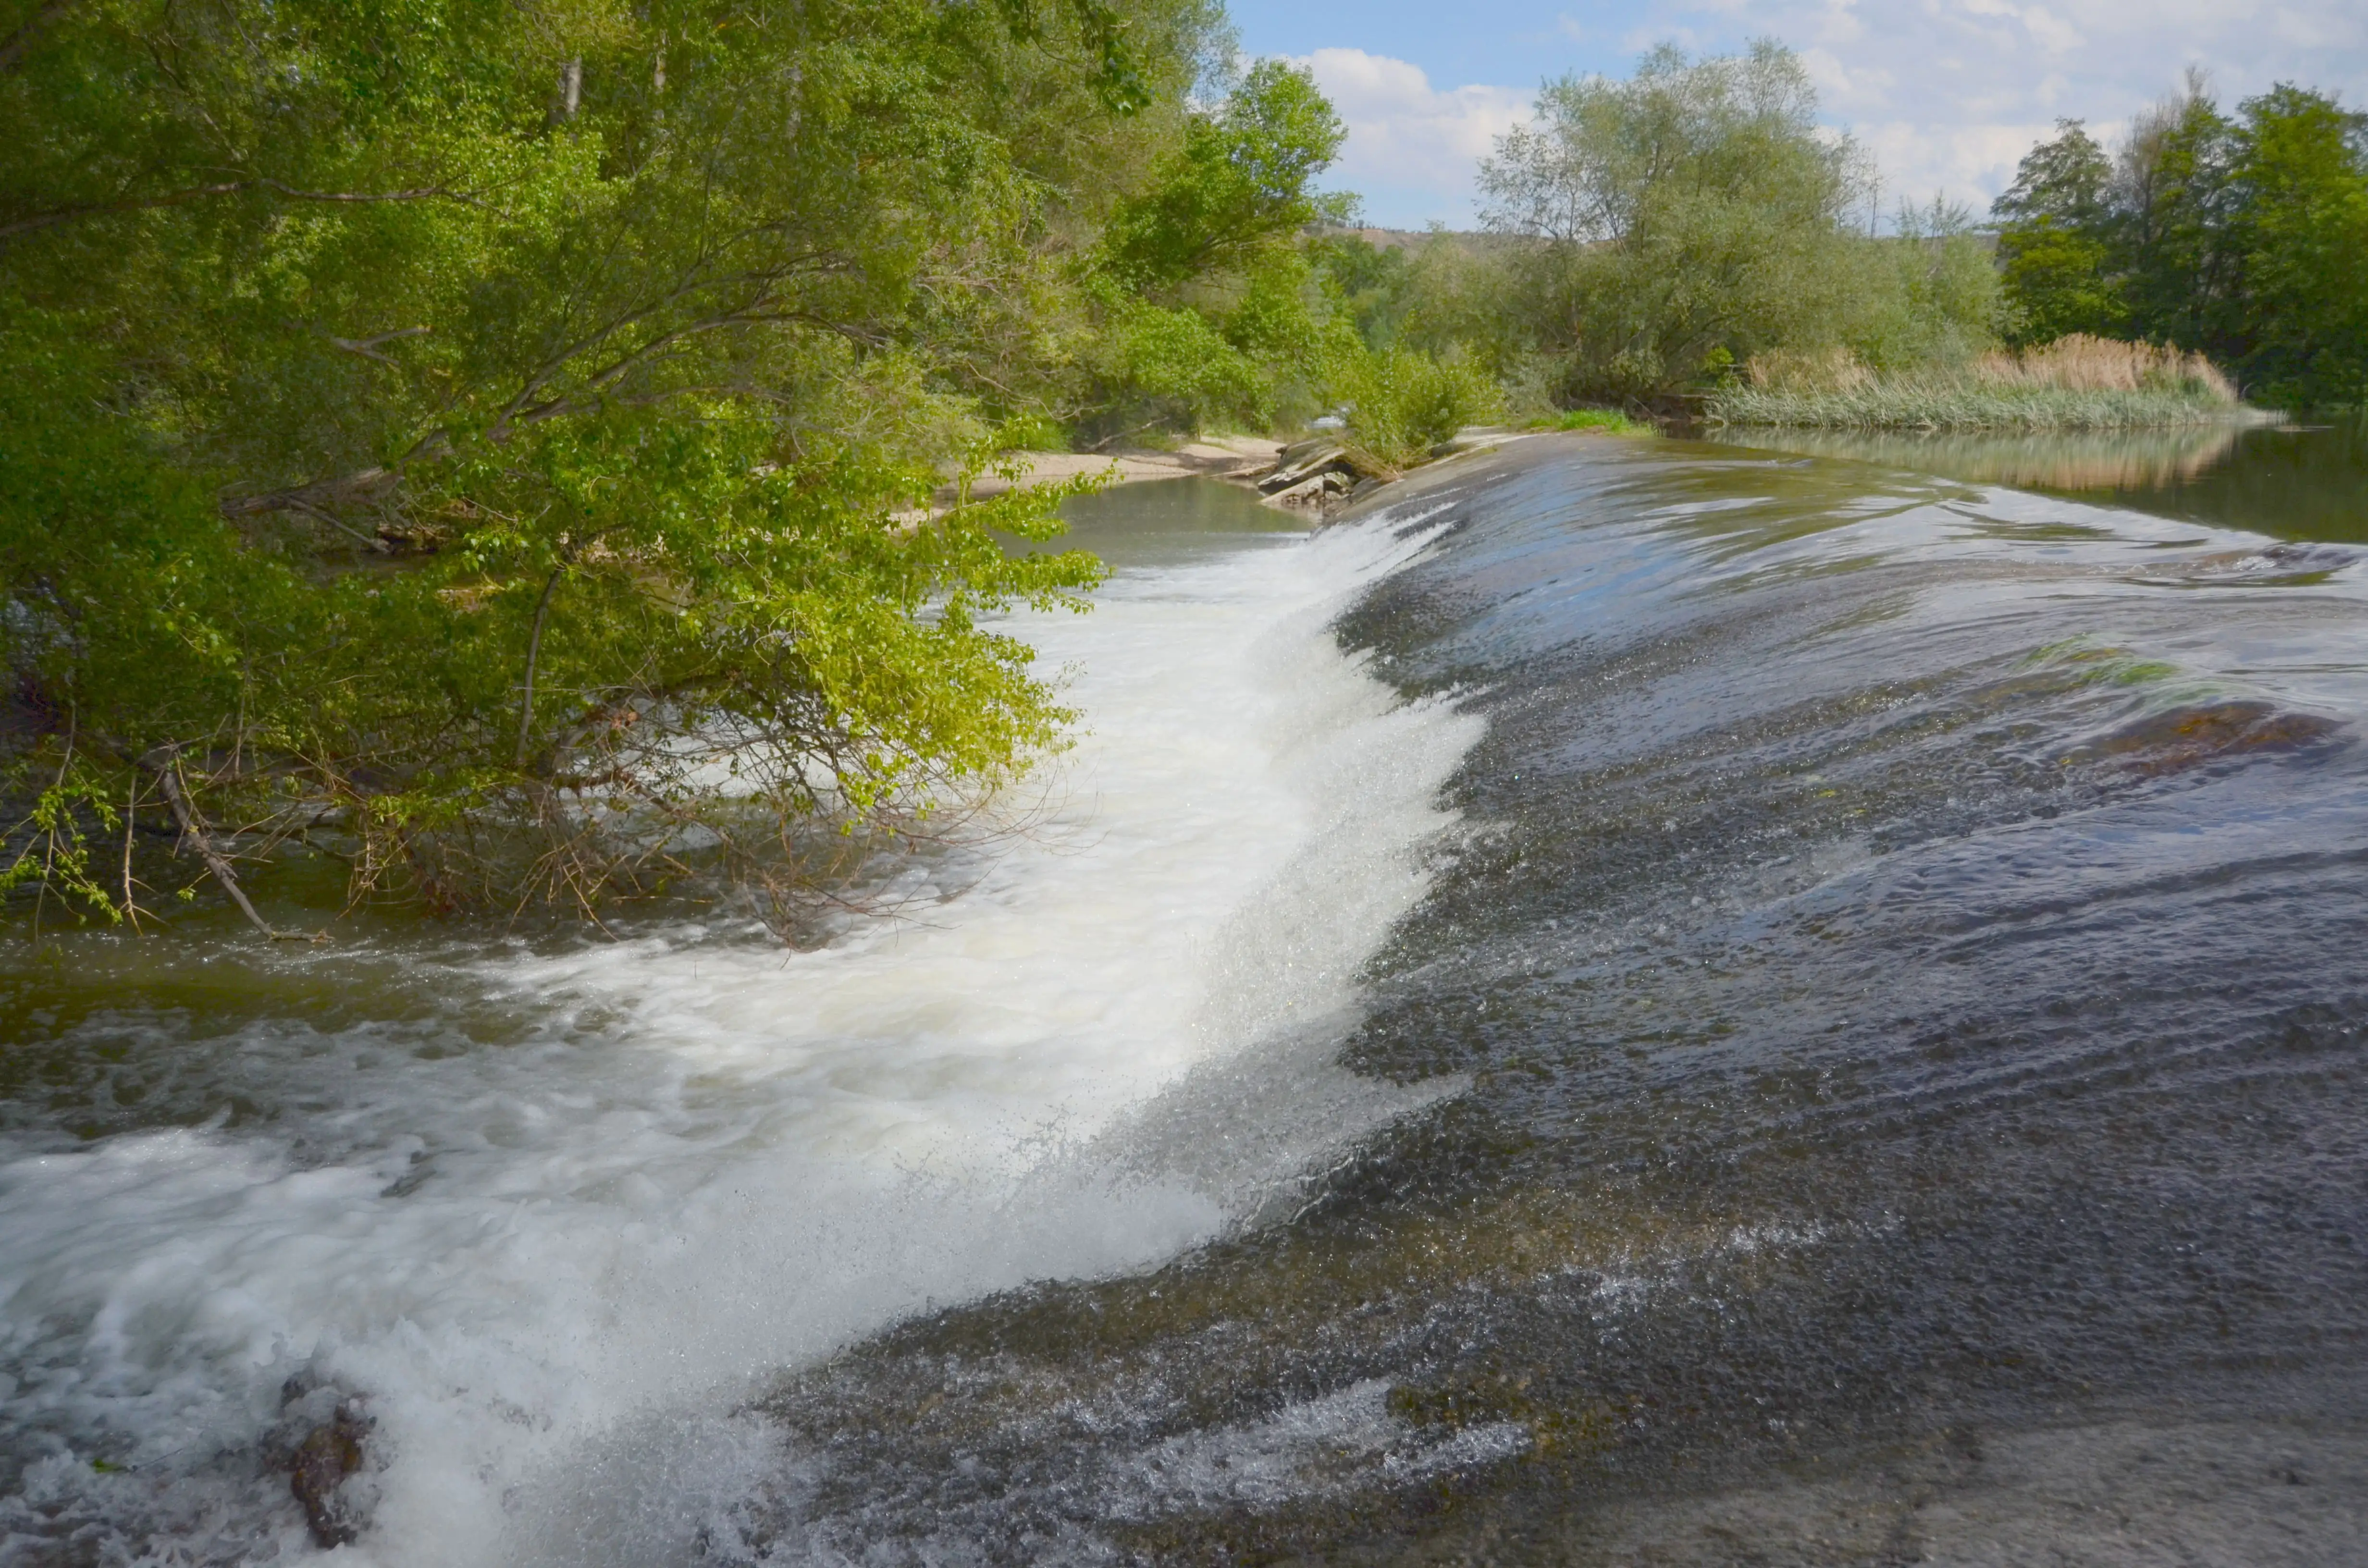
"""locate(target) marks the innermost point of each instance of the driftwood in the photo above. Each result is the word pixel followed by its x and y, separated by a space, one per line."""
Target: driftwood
pixel 165 764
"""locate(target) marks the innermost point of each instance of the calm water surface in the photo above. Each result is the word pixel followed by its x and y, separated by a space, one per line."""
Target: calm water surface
pixel 1643 1002
pixel 2303 480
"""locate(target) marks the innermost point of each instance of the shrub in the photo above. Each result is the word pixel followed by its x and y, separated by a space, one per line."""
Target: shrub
pixel 1403 403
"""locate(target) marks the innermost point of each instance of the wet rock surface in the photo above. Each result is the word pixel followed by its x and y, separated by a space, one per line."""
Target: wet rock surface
pixel 1909 984
pixel 322 1443
pixel 2191 736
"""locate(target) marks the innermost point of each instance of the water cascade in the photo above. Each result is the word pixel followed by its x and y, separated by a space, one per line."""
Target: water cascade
pixel 540 1215
pixel 1631 999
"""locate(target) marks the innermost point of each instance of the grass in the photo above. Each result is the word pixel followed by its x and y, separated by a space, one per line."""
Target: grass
pixel 2074 383
pixel 1610 420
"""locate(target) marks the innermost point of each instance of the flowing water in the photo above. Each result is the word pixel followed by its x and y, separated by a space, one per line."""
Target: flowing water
pixel 1637 1002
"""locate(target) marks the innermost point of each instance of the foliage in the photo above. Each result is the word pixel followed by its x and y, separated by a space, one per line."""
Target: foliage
pixel 1402 403
pixel 1610 421
pixel 1205 312
pixel 1931 300
pixel 1238 185
pixel 54 848
pixel 484 439
pixel 2051 256
pixel 1696 215
pixel 1167 365
pixel 2239 237
pixel 2301 234
pixel 1371 285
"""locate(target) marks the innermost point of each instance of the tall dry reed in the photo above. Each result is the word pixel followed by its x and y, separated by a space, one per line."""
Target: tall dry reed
pixel 2076 363
pixel 2082 363
pixel 2075 383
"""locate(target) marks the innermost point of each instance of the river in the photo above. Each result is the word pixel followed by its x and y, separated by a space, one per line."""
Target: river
pixel 1628 1002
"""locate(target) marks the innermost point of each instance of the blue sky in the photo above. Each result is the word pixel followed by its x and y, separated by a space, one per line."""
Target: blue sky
pixel 1946 94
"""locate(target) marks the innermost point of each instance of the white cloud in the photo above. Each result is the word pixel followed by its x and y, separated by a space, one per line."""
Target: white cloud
pixel 1413 150
pixel 1948 94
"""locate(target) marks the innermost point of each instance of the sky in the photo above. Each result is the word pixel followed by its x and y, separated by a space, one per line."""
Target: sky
pixel 1947 95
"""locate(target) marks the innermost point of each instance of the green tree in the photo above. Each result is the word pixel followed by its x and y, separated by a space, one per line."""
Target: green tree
pixel 2054 254
pixel 1373 284
pixel 1240 182
pixel 1697 215
pixel 2237 237
pixel 1206 310
pixel 2300 230
pixel 480 435
pixel 2174 194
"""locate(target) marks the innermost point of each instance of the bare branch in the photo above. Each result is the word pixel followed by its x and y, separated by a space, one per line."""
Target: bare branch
pixel 165 764
pixel 369 541
pixel 367 347
pixel 309 497
pixel 534 651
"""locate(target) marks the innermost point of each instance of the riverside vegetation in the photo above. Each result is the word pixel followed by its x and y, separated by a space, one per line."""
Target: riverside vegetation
pixel 482 445
pixel 1690 237
pixel 470 438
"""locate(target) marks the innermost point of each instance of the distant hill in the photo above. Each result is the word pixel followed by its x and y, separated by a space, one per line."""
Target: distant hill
pixel 1408 239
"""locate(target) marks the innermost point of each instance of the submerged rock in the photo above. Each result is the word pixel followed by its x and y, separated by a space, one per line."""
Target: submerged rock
pixel 2191 736
pixel 322 1445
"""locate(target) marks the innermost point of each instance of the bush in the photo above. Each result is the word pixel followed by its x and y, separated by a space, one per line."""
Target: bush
pixel 1661 229
pixel 1159 365
pixel 1403 403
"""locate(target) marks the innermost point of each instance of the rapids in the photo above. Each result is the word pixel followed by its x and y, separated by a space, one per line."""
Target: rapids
pixel 547 1213
pixel 1635 1002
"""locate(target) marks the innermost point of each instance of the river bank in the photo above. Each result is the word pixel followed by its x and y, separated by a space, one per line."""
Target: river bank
pixel 1232 458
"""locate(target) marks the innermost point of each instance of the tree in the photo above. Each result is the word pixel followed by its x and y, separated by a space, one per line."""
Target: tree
pixel 2300 230
pixel 1206 310
pixel 2239 237
pixel 476 434
pixel 2053 252
pixel 2064 181
pixel 1241 181
pixel 2172 195
pixel 1697 215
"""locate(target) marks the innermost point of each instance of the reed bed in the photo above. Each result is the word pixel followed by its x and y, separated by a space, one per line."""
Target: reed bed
pixel 2075 383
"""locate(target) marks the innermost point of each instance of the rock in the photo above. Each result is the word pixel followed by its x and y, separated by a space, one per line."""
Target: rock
pixel 2189 737
pixel 321 1444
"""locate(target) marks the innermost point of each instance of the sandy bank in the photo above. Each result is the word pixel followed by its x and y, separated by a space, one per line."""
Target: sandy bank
pixel 1232 457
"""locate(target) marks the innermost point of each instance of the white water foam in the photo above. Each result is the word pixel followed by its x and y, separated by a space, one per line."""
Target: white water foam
pixel 553 1268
